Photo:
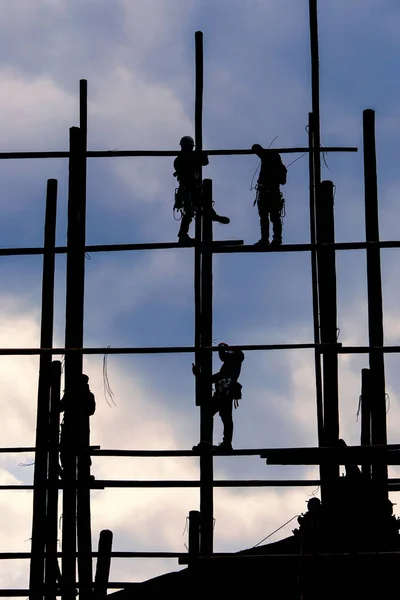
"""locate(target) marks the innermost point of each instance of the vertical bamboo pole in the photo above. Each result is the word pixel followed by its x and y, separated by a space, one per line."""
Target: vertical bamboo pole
pixel 375 304
pixel 36 584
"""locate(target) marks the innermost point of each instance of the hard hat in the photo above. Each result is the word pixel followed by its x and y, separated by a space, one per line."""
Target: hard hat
pixel 186 141
pixel 313 503
pixel 85 378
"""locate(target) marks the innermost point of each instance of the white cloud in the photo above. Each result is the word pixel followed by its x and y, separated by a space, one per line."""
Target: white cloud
pixel 37 113
pixel 140 96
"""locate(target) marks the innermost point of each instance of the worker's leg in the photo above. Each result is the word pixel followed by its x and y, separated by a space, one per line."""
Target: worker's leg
pixel 211 409
pixel 187 216
pixel 183 233
pixel 219 218
pixel 227 420
pixel 198 201
pixel 262 205
pixel 276 228
pixel 275 210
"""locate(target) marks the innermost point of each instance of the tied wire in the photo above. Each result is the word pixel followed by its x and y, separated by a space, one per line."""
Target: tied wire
pixel 184 531
pixel 108 393
pixel 359 406
pixel 252 187
pixel 276 530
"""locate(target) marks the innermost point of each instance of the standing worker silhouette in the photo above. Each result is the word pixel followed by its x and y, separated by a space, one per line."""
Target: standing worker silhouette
pixel 228 392
pixel 269 198
pixel 187 167
pixel 78 404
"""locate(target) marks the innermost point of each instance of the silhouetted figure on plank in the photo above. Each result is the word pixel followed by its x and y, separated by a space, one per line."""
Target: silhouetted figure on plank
pixel 269 198
pixel 187 167
pixel 228 392
pixel 78 405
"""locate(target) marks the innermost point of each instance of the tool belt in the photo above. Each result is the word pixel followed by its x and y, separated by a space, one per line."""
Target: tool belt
pixel 270 197
pixel 187 198
pixel 227 387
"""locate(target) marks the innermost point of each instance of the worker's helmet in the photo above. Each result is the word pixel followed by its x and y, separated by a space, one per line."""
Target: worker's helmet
pixel 187 142
pixel 85 378
pixel 313 504
pixel 222 348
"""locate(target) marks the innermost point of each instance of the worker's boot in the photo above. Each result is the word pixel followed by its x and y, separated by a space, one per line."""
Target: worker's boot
pixel 276 242
pixel 219 218
pixel 277 229
pixel 183 235
pixel 261 242
pixel 184 239
pixel 203 447
pixel 222 448
pixel 264 226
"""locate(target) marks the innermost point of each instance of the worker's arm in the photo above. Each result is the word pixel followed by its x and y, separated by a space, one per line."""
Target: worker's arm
pixel 176 166
pixel 258 150
pixel 91 404
pixel 214 378
pixel 204 159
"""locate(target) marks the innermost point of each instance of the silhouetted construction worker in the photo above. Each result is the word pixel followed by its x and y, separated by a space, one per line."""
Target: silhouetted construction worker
pixel 78 404
pixel 228 392
pixel 187 167
pixel 269 198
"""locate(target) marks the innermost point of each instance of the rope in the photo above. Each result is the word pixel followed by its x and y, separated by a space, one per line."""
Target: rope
pixel 108 393
pixel 296 159
pixel 276 530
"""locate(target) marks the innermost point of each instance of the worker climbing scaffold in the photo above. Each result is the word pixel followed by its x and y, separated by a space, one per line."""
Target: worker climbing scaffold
pixel 269 199
pixel 78 405
pixel 228 392
pixel 188 195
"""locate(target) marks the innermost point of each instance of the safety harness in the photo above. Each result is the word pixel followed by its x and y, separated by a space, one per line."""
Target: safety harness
pixel 282 203
pixel 229 388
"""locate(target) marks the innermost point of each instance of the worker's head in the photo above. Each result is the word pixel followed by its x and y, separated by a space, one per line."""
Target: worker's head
pixel 313 504
pixel 256 148
pixel 84 379
pixel 187 143
pixel 222 348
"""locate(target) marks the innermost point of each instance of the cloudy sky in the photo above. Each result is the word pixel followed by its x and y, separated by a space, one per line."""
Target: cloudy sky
pixel 138 58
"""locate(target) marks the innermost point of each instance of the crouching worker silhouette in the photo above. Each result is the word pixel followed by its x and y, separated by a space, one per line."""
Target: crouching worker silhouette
pixel 78 405
pixel 269 198
pixel 187 167
pixel 228 392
